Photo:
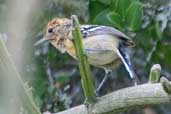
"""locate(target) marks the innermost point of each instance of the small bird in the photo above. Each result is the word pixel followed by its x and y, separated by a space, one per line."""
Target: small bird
pixel 104 46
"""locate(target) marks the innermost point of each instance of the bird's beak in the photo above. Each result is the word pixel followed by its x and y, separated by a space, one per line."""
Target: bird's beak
pixel 41 41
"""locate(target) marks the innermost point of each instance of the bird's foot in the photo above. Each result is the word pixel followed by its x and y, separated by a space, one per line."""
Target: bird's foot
pixel 97 92
pixel 87 103
pixel 135 82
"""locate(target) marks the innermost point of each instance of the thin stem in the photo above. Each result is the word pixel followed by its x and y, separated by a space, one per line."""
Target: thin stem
pixel 86 80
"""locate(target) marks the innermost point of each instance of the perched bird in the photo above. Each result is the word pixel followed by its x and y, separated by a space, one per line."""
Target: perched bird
pixel 104 46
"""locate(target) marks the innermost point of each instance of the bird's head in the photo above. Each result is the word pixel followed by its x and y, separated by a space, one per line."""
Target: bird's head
pixel 57 31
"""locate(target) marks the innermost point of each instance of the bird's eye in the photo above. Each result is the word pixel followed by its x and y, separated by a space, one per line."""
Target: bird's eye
pixel 50 30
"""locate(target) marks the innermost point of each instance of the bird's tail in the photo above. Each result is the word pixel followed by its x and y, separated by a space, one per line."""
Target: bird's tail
pixel 126 60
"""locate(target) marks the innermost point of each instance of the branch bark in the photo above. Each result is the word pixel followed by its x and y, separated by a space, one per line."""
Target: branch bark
pixel 125 99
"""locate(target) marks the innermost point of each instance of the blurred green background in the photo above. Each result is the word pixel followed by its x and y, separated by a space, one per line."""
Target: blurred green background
pixel 55 78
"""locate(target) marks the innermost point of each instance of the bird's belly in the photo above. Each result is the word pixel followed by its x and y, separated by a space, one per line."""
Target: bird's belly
pixel 101 58
pixel 101 50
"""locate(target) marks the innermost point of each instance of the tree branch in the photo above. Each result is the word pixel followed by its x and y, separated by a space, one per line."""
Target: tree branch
pixel 125 99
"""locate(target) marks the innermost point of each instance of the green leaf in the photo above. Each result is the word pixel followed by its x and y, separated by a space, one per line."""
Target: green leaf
pixel 102 19
pixel 115 19
pixel 134 16
pixel 158 31
pixel 106 2
pixel 62 78
pixel 153 31
pixel 94 8
pixel 120 6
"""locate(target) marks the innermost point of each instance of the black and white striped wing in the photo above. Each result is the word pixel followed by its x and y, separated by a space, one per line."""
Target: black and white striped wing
pixel 91 30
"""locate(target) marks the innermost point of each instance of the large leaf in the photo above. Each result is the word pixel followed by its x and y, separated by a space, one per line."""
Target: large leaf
pixel 95 8
pixel 134 16
pixel 153 31
pixel 106 2
pixel 102 19
pixel 158 31
pixel 120 6
pixel 115 19
pixel 162 55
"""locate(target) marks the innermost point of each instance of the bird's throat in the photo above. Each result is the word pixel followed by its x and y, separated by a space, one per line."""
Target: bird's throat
pixel 70 48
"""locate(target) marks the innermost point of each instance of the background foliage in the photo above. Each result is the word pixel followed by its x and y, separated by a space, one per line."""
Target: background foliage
pixel 55 77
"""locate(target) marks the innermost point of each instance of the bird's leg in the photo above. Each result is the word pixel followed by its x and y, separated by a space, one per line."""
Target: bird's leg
pixel 134 81
pixel 107 72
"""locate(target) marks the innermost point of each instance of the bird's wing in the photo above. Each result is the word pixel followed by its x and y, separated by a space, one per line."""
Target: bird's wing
pixel 91 30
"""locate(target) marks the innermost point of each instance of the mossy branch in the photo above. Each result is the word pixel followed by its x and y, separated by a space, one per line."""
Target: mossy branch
pixel 14 82
pixel 129 98
pixel 126 99
pixel 86 80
